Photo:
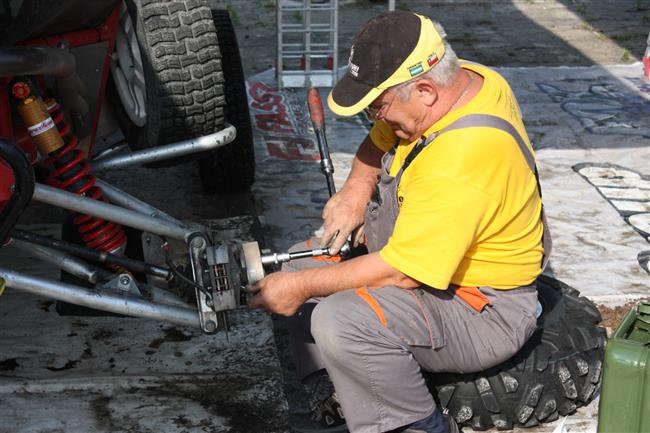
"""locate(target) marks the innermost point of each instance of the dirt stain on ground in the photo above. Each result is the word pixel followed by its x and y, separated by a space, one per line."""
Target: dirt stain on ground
pixel 229 397
pixel 45 305
pixel 68 365
pixel 612 316
pixel 102 334
pixel 171 334
pixel 8 364
pixel 99 407
pixel 88 352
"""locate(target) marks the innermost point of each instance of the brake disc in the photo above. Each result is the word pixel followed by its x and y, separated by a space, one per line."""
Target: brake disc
pixel 252 262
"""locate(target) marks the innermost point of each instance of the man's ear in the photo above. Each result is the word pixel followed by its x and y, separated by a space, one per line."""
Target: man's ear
pixel 426 91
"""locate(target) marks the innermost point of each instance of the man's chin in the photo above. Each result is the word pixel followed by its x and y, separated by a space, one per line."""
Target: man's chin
pixel 404 135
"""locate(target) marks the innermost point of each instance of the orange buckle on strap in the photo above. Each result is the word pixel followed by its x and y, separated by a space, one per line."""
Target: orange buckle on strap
pixel 473 297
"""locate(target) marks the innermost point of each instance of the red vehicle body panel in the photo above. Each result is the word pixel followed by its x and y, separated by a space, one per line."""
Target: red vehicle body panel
pixel 17 132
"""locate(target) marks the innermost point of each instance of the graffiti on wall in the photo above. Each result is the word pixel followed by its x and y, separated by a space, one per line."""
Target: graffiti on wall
pixel 283 121
pixel 602 108
pixel 627 191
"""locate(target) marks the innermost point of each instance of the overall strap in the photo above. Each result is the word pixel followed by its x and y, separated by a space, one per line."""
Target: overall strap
pixel 479 120
pixel 487 120
pixel 490 121
pixel 419 147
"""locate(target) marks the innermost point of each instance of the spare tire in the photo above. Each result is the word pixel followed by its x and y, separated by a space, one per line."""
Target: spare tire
pixel 557 370
pixel 166 70
pixel 231 168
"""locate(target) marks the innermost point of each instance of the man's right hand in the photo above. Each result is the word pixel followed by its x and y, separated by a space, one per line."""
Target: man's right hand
pixel 343 213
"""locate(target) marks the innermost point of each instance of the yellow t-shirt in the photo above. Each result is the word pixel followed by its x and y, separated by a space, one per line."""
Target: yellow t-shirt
pixel 470 209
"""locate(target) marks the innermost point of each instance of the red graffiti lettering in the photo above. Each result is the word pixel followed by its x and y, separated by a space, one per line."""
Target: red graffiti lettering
pixel 266 98
pixel 268 102
pixel 259 90
pixel 273 122
pixel 292 148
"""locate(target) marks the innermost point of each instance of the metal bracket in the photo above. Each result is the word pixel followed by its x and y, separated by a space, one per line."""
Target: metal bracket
pixel 123 283
pixel 208 318
pixel 224 279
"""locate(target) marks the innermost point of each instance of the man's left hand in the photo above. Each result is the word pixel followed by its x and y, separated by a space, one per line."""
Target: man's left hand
pixel 277 293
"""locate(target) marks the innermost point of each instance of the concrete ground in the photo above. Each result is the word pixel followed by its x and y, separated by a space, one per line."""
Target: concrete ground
pixel 590 125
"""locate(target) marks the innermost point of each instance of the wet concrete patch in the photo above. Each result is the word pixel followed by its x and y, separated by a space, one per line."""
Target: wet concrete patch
pixel 68 365
pixel 226 397
pixel 8 364
pixel 45 305
pixel 171 334
pixel 102 334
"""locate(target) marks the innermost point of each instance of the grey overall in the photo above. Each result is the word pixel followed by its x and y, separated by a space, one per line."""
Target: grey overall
pixel 375 364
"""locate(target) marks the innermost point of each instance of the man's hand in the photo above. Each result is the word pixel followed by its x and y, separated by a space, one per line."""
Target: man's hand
pixel 278 293
pixel 343 213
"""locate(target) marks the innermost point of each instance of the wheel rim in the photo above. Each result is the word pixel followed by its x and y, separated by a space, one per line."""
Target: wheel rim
pixel 128 71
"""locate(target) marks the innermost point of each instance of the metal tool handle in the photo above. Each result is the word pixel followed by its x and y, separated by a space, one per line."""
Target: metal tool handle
pixel 318 121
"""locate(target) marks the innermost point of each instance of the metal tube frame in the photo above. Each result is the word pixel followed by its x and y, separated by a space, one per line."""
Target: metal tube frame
pixel 136 214
pixel 82 252
pixel 66 262
pixel 104 301
pixel 122 198
pixel 181 148
pixel 106 211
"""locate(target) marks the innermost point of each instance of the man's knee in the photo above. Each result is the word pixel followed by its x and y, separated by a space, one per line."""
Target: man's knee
pixel 334 322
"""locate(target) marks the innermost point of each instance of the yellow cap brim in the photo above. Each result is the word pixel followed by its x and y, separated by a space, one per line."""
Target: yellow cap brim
pixel 426 54
pixel 342 110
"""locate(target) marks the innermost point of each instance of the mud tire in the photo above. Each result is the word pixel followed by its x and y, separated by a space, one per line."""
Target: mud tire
pixel 231 168
pixel 182 67
pixel 558 370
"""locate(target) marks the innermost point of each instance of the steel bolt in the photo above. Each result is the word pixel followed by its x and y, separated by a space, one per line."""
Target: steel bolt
pixel 210 326
pixel 125 280
pixel 198 242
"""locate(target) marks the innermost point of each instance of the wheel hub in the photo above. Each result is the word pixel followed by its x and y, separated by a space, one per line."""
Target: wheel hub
pixel 128 70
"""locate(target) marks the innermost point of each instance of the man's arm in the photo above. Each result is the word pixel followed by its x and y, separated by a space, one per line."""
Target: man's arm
pixel 344 212
pixel 284 292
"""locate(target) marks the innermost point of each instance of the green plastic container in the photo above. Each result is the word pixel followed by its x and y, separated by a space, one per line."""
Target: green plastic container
pixel 625 397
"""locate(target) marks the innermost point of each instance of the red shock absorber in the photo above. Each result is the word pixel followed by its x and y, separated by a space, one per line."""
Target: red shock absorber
pixel 72 173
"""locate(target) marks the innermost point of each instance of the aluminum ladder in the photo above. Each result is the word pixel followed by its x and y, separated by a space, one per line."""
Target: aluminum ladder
pixel 307 45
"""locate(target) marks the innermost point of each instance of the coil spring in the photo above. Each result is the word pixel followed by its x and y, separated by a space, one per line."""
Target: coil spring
pixel 72 173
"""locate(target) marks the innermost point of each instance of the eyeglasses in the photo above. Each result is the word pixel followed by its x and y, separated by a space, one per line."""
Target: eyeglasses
pixel 379 111
pixel 376 112
pixel 372 111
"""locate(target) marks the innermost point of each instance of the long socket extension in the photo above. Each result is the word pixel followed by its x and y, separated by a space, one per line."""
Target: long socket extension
pixel 279 258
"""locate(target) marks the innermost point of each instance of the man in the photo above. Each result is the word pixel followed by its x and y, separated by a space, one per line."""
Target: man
pixel 444 188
